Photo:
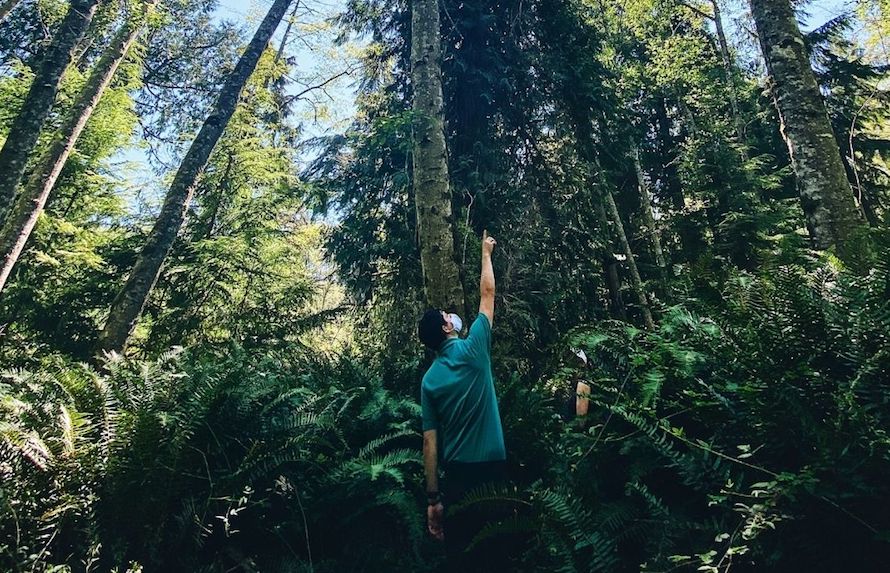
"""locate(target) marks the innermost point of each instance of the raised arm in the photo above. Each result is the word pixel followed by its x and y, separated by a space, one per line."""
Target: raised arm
pixel 486 282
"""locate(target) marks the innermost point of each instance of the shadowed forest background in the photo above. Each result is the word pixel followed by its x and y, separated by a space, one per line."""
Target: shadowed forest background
pixel 213 269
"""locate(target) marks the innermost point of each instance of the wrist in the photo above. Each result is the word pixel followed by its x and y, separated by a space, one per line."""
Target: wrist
pixel 433 497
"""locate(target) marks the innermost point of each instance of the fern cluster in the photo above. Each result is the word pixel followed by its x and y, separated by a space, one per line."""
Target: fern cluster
pixel 748 434
pixel 207 463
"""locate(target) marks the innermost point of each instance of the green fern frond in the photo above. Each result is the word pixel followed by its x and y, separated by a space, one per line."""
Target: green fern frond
pixel 28 443
pixel 378 443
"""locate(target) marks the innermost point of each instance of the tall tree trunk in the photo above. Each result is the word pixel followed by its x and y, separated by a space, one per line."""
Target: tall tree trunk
pixel 25 129
pixel 610 265
pixel 618 228
pixel 30 202
pixel 432 193
pixel 128 304
pixel 825 193
pixel 6 7
pixel 726 57
pixel 607 210
pixel 648 215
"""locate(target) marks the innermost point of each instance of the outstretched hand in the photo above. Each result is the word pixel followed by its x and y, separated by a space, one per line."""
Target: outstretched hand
pixel 488 243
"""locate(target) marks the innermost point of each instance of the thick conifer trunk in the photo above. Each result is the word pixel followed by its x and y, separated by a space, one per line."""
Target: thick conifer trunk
pixel 432 193
pixel 825 193
pixel 128 304
pixel 32 198
pixel 25 129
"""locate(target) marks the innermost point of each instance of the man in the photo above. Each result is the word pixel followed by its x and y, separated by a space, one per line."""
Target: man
pixel 460 414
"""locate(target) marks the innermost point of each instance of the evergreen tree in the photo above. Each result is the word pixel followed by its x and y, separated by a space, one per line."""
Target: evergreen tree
pixel 131 299
pixel 31 200
pixel 826 198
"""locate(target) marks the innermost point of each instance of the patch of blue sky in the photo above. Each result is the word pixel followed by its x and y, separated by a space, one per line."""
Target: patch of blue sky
pixel 322 74
pixel 330 109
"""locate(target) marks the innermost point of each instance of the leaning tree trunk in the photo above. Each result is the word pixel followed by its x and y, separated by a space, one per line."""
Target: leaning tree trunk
pixel 6 7
pixel 432 194
pixel 825 193
pixel 618 228
pixel 128 304
pixel 22 136
pixel 610 265
pixel 30 202
pixel 648 214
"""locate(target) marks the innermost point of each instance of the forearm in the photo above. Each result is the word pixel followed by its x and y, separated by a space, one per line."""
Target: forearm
pixel 582 402
pixel 486 281
pixel 431 461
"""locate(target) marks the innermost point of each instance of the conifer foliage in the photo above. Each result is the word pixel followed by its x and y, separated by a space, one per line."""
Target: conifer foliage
pixel 208 348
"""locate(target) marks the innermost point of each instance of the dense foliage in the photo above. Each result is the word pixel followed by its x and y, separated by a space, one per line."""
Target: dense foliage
pixel 265 414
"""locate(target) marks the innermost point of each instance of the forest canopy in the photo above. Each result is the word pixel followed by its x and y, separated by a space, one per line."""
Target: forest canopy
pixel 221 222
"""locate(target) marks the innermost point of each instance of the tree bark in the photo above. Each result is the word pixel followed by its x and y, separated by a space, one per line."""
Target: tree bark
pixel 30 202
pixel 6 7
pixel 25 129
pixel 648 215
pixel 130 301
pixel 432 193
pixel 825 193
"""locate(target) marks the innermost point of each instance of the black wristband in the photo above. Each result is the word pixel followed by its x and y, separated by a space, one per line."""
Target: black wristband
pixel 432 497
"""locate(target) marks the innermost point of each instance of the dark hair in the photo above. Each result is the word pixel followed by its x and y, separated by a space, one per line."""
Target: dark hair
pixel 430 329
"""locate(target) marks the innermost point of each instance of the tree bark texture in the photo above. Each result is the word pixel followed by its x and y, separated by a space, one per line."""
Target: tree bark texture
pixel 25 128
pixel 825 193
pixel 130 301
pixel 31 200
pixel 432 193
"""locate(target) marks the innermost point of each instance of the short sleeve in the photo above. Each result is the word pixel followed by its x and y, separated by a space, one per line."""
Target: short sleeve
pixel 428 411
pixel 479 337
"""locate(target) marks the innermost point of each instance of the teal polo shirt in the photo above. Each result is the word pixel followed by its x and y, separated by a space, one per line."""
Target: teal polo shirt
pixel 458 399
